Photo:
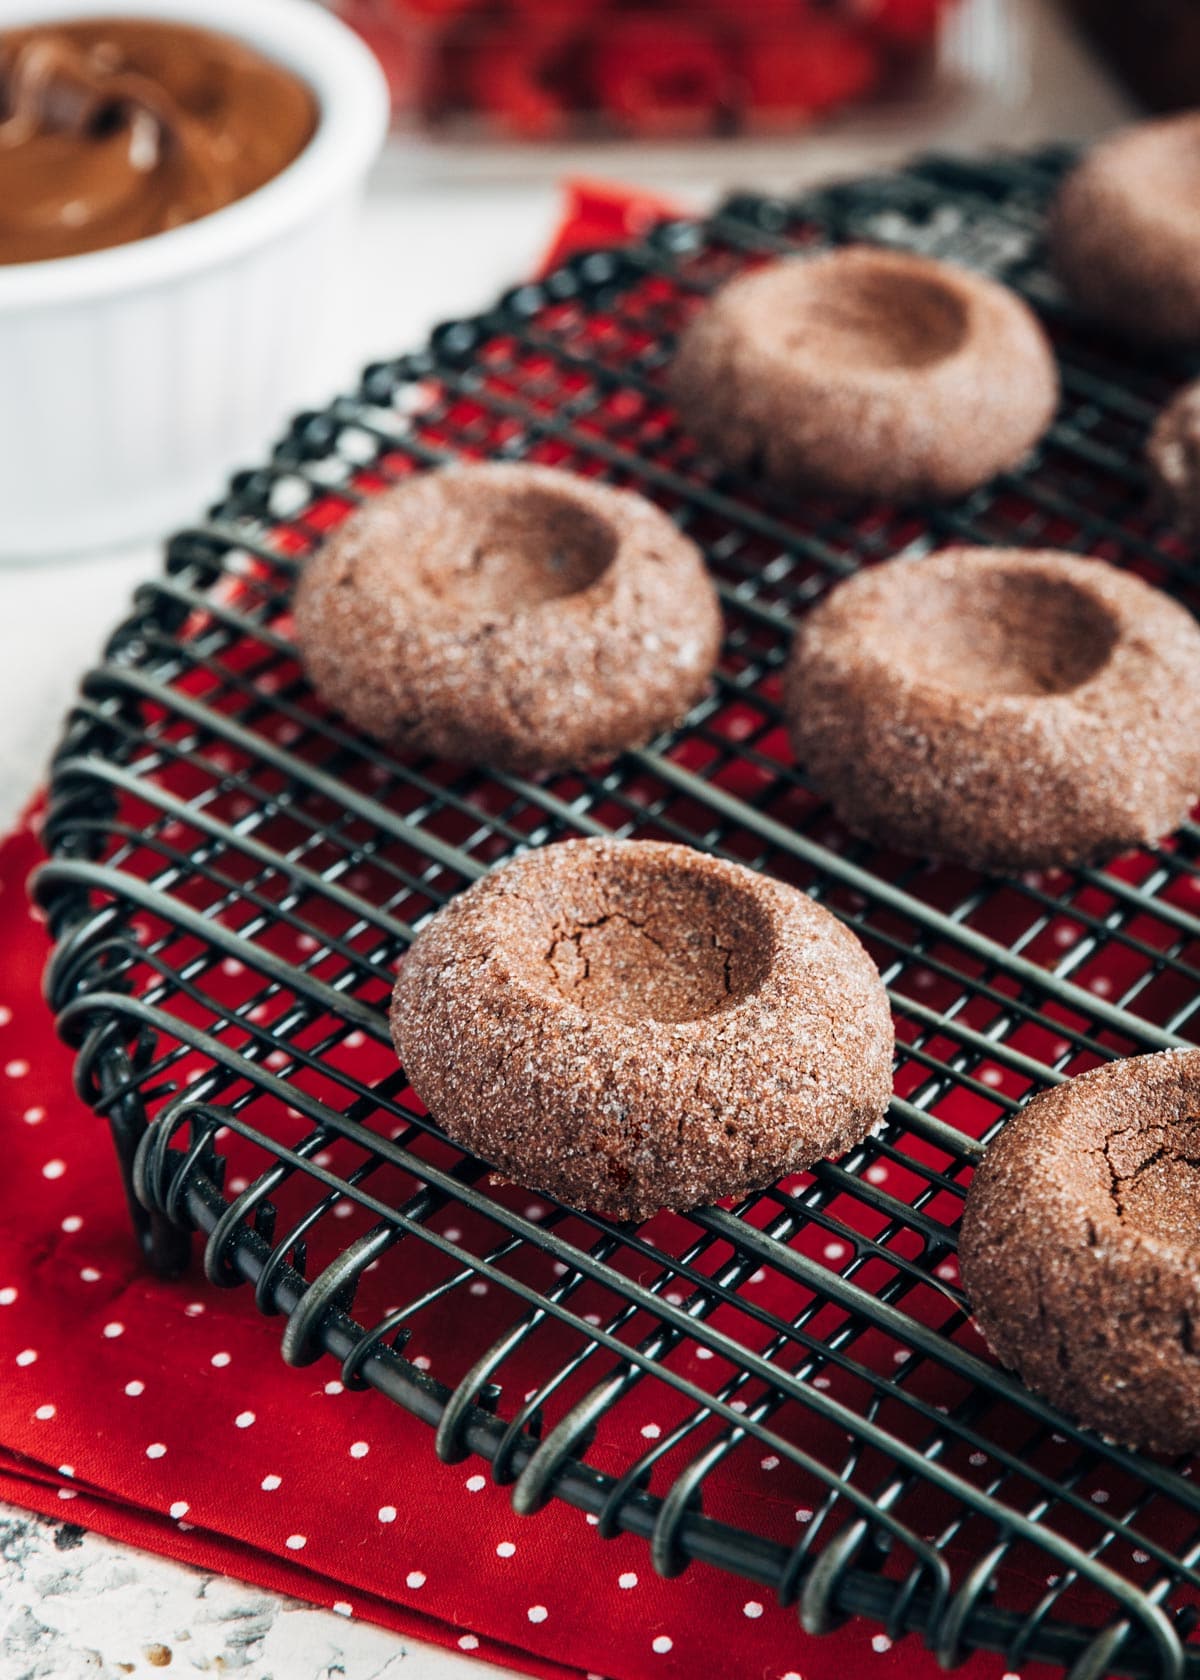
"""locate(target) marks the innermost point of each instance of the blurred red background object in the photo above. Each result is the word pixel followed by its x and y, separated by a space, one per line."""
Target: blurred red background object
pixel 537 69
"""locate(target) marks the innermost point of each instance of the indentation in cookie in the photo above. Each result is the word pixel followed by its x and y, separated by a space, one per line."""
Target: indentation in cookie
pixel 1154 1182
pixel 528 548
pixel 1001 632
pixel 870 319
pixel 710 950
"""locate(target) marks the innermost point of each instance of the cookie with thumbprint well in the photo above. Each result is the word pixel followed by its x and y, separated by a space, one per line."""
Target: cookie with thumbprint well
pixel 509 615
pixel 631 1025
pixel 1080 1248
pixel 1124 231
pixel 1002 707
pixel 866 372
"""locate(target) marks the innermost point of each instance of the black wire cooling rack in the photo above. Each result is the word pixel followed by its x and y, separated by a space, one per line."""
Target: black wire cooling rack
pixel 235 873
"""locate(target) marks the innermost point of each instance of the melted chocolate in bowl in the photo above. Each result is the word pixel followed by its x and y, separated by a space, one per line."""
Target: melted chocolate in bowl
pixel 113 129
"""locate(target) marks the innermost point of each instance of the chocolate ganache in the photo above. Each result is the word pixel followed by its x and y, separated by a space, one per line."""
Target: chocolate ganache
pixel 112 129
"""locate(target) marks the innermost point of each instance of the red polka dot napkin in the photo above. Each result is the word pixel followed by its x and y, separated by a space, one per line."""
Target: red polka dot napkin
pixel 162 1414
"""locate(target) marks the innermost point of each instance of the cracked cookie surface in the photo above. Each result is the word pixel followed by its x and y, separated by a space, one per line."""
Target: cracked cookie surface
pixel 632 1025
pixel 509 615
pixel 1080 1248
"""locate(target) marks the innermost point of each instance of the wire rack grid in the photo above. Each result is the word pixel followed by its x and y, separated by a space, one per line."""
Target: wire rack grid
pixel 789 1388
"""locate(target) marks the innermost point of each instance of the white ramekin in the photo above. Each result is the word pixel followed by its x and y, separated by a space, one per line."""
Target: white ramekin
pixel 133 379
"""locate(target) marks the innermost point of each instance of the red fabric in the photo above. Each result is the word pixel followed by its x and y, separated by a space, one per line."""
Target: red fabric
pixel 161 1413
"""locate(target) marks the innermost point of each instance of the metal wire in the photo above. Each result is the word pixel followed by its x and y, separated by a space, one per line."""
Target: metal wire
pixel 234 875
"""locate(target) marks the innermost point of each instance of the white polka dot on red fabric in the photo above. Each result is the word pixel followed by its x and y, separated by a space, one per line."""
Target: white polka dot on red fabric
pixel 475 1484
pixel 752 1608
pixel 591 1318
pixel 876 1174
pixel 771 1462
pixel 17 1068
pixel 414 1579
pixel 627 1580
pixel 1100 1497
pixel 341 1608
pixel 35 1115
pixel 54 1169
pixel 651 1431
pixel 179 1509
pixel 468 1642
pixel 335 1387
pixel 244 1419
pixel 26 1356
pixel 660 1645
pixel 134 1388
pixel 804 1514
pixel 537 1612
pixel 45 1413
pixel 359 1449
pixel 296 1542
pixel 66 1469
pixel 1101 985
pixel 67 1493
pixel 704 1353
pixel 791 1675
pixel 7 1295
pixel 113 1329
pixel 880 1642
pixel 479 1287
pixel 270 1483
pixel 387 1513
pixel 220 1359
pixel 948 1271
pixel 5 1014
pixel 505 1549
pixel 232 967
pixel 155 1450
pixel 355 1040
pixel 89 1274
pixel 194 1309
pixel 421 1362
pixel 72 1223
pixel 834 1250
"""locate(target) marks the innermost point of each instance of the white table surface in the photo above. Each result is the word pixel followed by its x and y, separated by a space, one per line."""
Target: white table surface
pixel 440 235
